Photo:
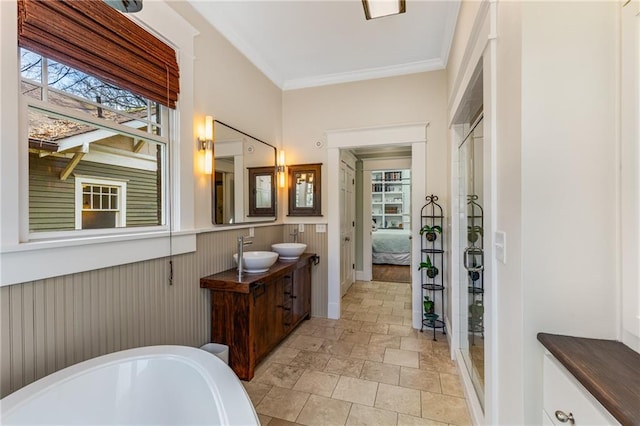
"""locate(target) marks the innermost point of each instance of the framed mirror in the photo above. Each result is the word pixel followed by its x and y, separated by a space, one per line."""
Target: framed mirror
pixel 262 197
pixel 243 184
pixel 304 190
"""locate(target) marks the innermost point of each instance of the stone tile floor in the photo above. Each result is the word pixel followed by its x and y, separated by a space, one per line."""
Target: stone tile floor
pixel 368 368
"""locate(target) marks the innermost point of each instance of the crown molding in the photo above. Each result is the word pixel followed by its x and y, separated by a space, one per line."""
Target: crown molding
pixel 366 74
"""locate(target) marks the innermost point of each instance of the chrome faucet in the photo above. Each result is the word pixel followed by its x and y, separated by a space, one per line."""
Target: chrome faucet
pixel 295 235
pixel 241 244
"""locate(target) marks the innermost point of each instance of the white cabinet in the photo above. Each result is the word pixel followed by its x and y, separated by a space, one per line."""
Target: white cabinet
pixel 390 196
pixel 563 395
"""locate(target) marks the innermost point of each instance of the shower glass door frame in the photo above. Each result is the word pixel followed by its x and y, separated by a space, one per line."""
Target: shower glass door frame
pixel 471 259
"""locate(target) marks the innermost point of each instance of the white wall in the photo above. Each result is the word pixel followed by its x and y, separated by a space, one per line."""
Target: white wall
pixel 309 113
pixel 509 320
pixel 630 174
pixel 569 177
pixel 555 183
pixel 231 89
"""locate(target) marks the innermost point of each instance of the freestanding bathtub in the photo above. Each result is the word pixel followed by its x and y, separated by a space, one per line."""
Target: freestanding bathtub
pixel 159 385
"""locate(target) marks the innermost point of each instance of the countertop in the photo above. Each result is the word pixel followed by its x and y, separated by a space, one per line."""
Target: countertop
pixel 608 369
pixel 228 280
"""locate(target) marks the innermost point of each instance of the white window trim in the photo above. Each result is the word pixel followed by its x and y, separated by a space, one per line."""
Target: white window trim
pixel 121 215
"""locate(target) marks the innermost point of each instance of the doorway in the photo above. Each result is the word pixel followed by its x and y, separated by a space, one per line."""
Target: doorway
pixel 347 222
pixel 409 135
pixel 387 193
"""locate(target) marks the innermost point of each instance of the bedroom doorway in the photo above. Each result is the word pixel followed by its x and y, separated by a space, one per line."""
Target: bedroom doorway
pixel 386 141
pixel 386 201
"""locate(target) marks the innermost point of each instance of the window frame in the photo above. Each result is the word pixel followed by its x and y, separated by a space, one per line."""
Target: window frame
pixel 17 255
pixel 167 116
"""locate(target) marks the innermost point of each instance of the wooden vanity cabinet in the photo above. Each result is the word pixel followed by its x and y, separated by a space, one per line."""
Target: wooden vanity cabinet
pixel 301 294
pixel 254 314
pixel 267 315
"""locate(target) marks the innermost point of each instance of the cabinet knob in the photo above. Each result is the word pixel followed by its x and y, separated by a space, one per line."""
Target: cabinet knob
pixel 564 417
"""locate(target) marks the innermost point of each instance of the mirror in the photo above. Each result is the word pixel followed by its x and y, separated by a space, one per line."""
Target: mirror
pixel 262 197
pixel 243 186
pixel 304 190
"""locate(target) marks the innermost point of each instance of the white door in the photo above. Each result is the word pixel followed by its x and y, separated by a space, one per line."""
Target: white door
pixel 347 226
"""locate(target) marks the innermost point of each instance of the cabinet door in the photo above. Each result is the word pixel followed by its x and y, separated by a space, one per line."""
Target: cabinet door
pixel 301 293
pixel 278 311
pixel 268 316
pixel 288 299
pixel 261 317
pixel 562 392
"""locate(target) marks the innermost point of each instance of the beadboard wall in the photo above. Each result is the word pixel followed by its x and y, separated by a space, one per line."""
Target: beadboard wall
pixel 47 325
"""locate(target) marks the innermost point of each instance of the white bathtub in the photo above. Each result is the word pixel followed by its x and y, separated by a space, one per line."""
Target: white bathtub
pixel 174 385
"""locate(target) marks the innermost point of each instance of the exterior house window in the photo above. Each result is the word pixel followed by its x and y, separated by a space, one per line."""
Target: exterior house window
pixel 81 126
pixel 100 203
pixel 98 91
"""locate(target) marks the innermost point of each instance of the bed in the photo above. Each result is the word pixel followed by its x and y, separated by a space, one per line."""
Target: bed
pixel 391 246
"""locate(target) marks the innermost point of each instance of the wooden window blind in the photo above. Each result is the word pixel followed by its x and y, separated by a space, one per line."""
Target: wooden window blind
pixel 98 40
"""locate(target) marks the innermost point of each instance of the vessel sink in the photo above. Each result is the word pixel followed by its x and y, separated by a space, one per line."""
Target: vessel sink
pixel 289 251
pixel 257 261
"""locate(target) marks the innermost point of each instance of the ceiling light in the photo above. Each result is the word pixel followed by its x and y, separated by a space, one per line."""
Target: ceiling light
pixel 379 8
pixel 126 6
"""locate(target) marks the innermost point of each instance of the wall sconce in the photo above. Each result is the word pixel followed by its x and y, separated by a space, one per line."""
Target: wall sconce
pixel 281 170
pixel 206 145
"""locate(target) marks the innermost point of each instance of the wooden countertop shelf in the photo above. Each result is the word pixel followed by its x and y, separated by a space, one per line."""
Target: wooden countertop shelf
pixel 228 280
pixel 608 369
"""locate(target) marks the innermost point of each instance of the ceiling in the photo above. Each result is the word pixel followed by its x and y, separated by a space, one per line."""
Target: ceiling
pixel 306 43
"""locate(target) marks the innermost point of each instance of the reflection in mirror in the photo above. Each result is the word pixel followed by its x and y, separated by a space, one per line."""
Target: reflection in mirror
pixel 224 198
pixel 263 192
pixel 304 190
pixel 237 155
pixel 262 200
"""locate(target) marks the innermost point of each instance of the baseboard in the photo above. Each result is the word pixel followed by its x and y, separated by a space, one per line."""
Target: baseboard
pixel 333 310
pixel 363 275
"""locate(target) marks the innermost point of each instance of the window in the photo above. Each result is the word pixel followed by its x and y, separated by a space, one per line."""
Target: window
pixel 110 47
pixel 100 203
pixel 79 127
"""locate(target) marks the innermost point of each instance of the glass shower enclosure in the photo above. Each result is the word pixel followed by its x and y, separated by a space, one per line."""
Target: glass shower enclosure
pixel 471 264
